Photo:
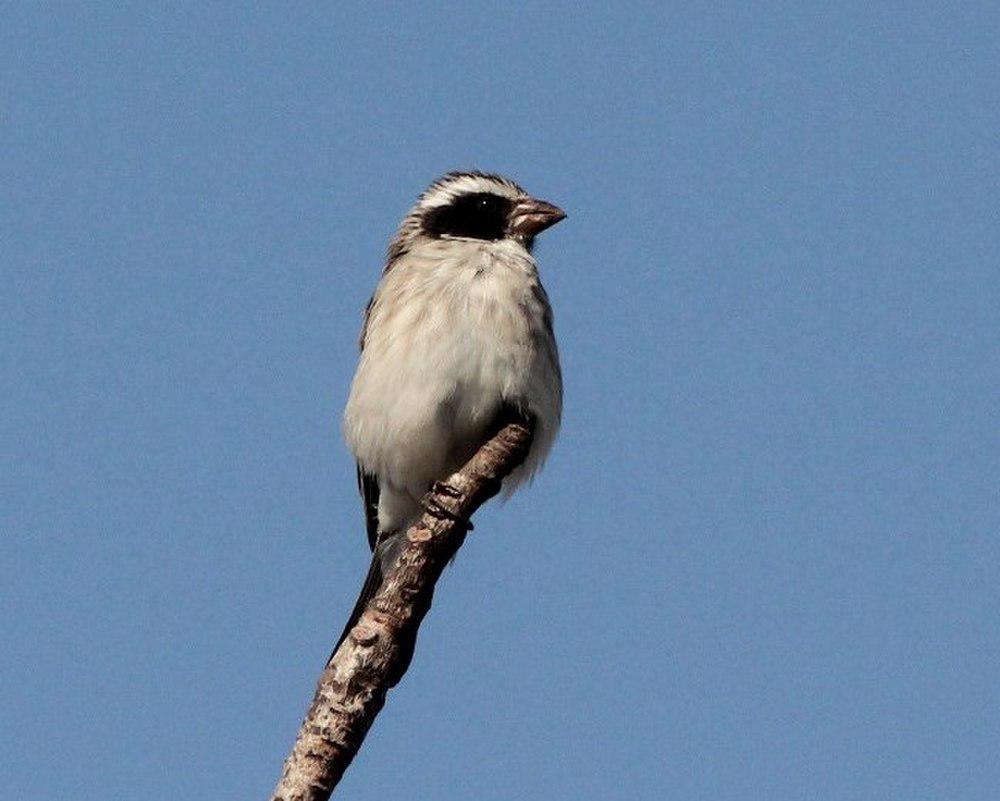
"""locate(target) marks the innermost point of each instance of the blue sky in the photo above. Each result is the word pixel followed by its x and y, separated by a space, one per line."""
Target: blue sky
pixel 762 561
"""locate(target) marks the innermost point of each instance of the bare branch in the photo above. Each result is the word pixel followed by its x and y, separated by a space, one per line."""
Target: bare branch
pixel 375 656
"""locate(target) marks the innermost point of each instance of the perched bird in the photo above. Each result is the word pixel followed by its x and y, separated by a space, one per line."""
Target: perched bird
pixel 458 329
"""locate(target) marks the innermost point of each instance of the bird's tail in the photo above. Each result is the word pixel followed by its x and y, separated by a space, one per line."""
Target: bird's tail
pixel 372 582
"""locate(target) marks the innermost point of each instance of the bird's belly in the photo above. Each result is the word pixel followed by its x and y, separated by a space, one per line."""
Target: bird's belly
pixel 426 392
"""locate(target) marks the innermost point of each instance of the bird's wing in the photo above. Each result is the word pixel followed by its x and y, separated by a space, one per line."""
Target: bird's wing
pixel 368 484
pixel 364 324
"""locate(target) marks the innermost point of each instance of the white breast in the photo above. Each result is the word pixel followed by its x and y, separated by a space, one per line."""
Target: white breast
pixel 456 329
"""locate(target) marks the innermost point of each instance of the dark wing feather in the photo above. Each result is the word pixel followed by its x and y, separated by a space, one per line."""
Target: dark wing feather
pixel 368 484
pixel 364 324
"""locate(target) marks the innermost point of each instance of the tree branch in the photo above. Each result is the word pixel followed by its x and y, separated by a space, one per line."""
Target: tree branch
pixel 374 657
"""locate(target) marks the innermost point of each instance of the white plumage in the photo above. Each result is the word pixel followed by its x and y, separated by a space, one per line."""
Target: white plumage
pixel 456 329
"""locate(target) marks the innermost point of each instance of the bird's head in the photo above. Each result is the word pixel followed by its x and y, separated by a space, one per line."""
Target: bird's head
pixel 475 206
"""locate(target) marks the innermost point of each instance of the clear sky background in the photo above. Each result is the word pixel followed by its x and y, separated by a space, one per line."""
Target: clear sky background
pixel 763 559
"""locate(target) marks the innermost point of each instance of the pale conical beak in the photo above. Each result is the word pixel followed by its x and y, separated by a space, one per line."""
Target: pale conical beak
pixel 531 217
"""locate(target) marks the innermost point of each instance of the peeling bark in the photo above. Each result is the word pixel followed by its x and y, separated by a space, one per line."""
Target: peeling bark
pixel 376 654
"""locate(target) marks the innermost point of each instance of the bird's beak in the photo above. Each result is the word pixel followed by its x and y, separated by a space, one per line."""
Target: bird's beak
pixel 531 216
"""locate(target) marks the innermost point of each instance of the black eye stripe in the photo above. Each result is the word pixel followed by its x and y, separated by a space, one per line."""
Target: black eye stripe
pixel 480 215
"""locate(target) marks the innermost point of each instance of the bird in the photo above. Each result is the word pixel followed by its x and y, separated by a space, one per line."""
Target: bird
pixel 458 330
